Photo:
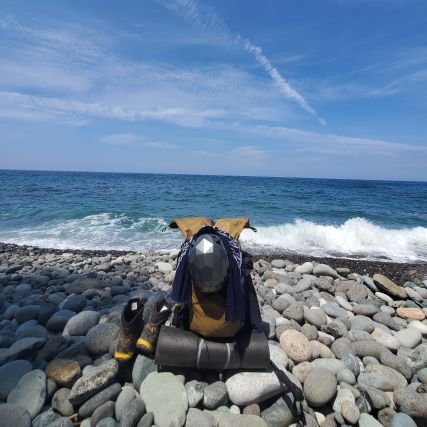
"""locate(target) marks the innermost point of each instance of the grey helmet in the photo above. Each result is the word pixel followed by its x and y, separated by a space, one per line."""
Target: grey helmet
pixel 208 262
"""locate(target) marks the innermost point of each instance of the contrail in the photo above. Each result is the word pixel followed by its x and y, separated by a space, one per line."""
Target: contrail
pixel 206 18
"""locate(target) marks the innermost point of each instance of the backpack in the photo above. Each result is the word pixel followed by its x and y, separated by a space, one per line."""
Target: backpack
pixel 216 316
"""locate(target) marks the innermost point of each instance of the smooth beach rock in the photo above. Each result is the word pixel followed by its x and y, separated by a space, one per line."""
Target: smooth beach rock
pixel 64 372
pixel 75 303
pixel 315 316
pixel 389 286
pixel 333 309
pixel 215 395
pixel 294 312
pixel 319 387
pixel 341 347
pixel 321 350
pixel 410 402
pixel 106 410
pixel 142 367
pixel 346 376
pixel 396 379
pixel 410 313
pixel 198 418
pixel 278 263
pixel 420 326
pixel 165 396
pixel 227 419
pixel 81 323
pixel 61 402
pixel 401 419
pixel 362 323
pixel 332 365
pixel 245 388
pixel 325 270
pixel 301 371
pixel 27 312
pixel 14 416
pixel 386 320
pixel 375 380
pixel 280 413
pixel 45 418
pixel 386 339
pixel 109 393
pixel 296 346
pixel 10 374
pixel 88 385
pixel 367 420
pixel 409 337
pixel 100 337
pixel 417 358
pixel 377 399
pixel 30 392
pixel 195 390
pixel 22 348
pixel 127 394
pixel 133 413
pixel 306 268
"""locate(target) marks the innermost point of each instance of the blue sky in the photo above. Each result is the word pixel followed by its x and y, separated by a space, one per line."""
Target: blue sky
pixel 330 88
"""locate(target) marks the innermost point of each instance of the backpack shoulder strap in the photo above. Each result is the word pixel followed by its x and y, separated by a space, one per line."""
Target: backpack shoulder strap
pixel 190 226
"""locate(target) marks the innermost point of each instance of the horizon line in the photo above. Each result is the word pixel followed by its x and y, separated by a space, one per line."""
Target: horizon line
pixel 211 175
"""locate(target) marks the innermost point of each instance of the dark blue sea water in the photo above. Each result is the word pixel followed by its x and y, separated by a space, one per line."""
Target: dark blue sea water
pixel 370 219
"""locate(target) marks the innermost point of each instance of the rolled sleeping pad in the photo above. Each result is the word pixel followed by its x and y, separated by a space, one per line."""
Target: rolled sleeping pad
pixel 184 349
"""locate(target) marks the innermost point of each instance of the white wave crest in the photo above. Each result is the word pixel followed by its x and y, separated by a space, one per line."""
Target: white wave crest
pixel 356 237
pixel 101 231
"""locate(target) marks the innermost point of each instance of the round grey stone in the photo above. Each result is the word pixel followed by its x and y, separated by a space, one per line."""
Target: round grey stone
pixel 346 376
pixel 367 420
pixel 341 347
pixel 75 303
pixel 99 338
pixel 10 374
pixel 165 396
pixel 141 368
pixel 28 312
pixel 319 387
pixel 30 392
pixel 278 263
pixel 402 420
pixel 133 413
pixel 215 395
pixel 61 402
pixel 316 317
pixel 195 391
pixel 81 323
pixel 106 410
pixel 110 393
pixel 14 416
pixel 126 396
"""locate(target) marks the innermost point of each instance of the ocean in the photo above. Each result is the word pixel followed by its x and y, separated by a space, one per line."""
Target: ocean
pixel 378 220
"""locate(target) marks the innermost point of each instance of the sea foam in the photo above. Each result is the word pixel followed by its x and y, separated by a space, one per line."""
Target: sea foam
pixel 356 237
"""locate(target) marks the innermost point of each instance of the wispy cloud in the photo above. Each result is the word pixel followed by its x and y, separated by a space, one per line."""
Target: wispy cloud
pixel 251 153
pixel 205 17
pixel 306 139
pixel 135 139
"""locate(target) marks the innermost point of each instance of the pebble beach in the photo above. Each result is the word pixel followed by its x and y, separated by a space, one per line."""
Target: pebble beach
pixel 352 332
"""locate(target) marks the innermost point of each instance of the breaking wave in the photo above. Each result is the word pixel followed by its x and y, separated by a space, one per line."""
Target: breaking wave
pixel 356 237
pixel 102 231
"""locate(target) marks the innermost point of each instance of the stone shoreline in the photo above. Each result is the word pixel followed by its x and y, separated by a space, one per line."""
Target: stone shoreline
pixel 356 342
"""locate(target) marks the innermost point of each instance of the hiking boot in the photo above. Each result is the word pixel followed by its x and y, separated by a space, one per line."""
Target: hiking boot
pixel 131 327
pixel 148 339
